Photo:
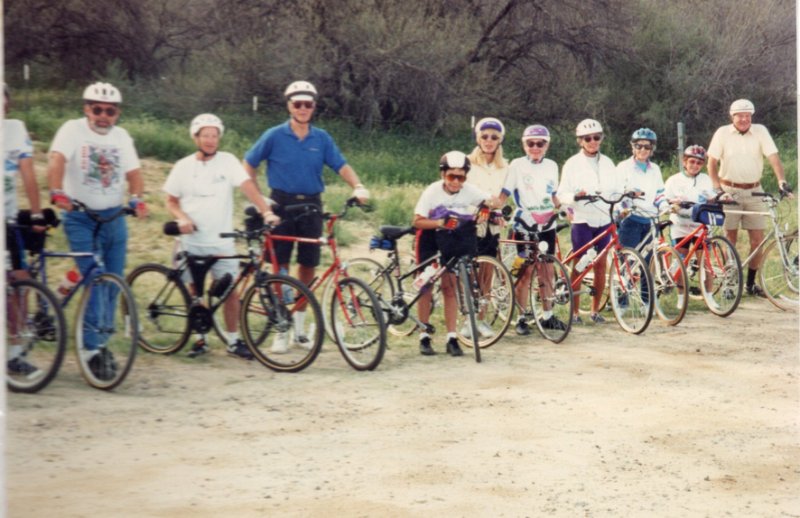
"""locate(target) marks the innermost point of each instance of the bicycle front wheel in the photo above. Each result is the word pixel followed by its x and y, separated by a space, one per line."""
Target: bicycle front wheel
pixel 356 319
pixel 466 289
pixel 280 337
pixel 778 278
pixel 670 284
pixel 36 334
pixel 721 277
pixel 162 303
pixel 551 293
pixel 106 331
pixel 493 300
pixel 630 289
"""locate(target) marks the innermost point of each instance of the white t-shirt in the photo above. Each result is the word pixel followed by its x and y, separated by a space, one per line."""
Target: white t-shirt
pixel 97 165
pixel 16 146
pixel 205 191
pixel 682 187
pixel 648 181
pixel 594 175
pixel 532 186
pixel 436 203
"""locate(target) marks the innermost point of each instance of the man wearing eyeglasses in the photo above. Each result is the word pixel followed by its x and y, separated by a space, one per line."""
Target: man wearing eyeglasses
pixel 742 147
pixel 296 153
pixel 589 172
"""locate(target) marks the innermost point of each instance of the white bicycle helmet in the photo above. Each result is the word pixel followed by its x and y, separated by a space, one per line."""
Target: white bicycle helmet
pixel 454 160
pixel 300 91
pixel 742 106
pixel 588 127
pixel 490 123
pixel 206 120
pixel 102 93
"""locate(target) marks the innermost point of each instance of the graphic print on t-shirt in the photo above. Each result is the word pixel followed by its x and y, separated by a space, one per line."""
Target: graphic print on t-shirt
pixel 100 166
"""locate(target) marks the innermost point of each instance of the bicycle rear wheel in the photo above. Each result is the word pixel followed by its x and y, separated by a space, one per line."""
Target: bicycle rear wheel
pixel 280 337
pixel 670 284
pixel 106 331
pixel 721 277
pixel 356 318
pixel 630 290
pixel 551 292
pixel 163 304
pixel 380 281
pixel 780 280
pixel 36 334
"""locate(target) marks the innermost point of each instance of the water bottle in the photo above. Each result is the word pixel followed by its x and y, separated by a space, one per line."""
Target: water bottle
pixel 584 261
pixel 68 283
pixel 516 266
pixel 426 275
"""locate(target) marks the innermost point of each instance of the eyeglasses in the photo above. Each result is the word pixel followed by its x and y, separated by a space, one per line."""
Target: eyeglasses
pixel 536 143
pixel 110 111
pixel 456 177
pixel 695 161
pixel 639 147
pixel 303 104
pixel 596 138
pixel 487 137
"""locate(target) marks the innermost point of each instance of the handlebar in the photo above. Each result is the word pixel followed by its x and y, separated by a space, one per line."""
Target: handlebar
pixel 536 228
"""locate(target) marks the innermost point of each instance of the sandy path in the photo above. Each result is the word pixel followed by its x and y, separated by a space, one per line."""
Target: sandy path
pixel 699 420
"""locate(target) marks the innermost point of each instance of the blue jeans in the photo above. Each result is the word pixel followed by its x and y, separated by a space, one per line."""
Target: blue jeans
pixel 112 241
pixel 633 231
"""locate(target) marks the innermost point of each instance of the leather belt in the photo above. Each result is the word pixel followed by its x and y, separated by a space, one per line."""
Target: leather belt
pixel 740 185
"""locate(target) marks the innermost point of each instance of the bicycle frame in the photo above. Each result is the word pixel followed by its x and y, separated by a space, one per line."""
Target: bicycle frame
pixel 776 231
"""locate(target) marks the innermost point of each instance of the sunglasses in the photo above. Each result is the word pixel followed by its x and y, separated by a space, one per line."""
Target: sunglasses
pixel 303 104
pixel 456 177
pixel 596 138
pixel 695 161
pixel 535 143
pixel 110 111
pixel 487 137
pixel 642 146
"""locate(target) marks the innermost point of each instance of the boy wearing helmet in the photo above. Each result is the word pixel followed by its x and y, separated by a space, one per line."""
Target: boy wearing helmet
pixel 91 160
pixel 445 217
pixel 589 172
pixel 741 148
pixel 199 192
pixel 296 153
pixel 532 182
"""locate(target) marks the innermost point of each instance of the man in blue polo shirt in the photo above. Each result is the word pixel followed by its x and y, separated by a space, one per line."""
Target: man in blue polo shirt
pixel 296 153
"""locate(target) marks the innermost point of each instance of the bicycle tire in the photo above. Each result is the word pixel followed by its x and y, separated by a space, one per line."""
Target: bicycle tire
pixel 269 310
pixel 40 329
pixel 466 284
pixel 631 304
pixel 356 318
pixel 780 281
pixel 218 316
pixel 725 292
pixel 163 303
pixel 587 284
pixel 114 327
pixel 559 301
pixel 381 282
pixel 494 306
pixel 670 285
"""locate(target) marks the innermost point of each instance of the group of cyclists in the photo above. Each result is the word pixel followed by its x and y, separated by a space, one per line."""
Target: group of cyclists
pixel 92 160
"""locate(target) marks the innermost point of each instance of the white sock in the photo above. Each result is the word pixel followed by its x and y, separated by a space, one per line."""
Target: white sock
pixel 424 335
pixel 299 323
pixel 14 351
pixel 547 314
pixel 232 337
pixel 452 335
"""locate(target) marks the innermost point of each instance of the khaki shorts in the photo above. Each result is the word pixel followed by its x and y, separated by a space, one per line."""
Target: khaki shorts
pixel 745 202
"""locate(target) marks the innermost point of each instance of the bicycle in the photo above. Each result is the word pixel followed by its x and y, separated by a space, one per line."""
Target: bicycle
pixel 778 273
pixel 106 330
pixel 550 288
pixel 670 280
pixel 354 317
pixel 718 264
pixel 171 310
pixel 629 282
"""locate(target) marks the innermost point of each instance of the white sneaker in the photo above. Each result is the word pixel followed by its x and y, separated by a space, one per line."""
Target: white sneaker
pixel 301 341
pixel 280 345
pixel 466 330
pixel 680 302
pixel 484 330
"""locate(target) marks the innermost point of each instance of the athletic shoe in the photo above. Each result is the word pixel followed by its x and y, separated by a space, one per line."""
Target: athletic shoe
pixel 425 348
pixel 466 330
pixel 280 344
pixel 102 365
pixel 238 348
pixel 302 342
pixel 523 329
pixel 453 349
pixel 199 348
pixel 756 291
pixel 484 330
pixel 553 323
pixel 597 318
pixel 576 319
pixel 19 366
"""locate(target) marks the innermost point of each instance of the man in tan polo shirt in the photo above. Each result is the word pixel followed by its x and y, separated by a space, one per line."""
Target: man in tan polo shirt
pixel 742 147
